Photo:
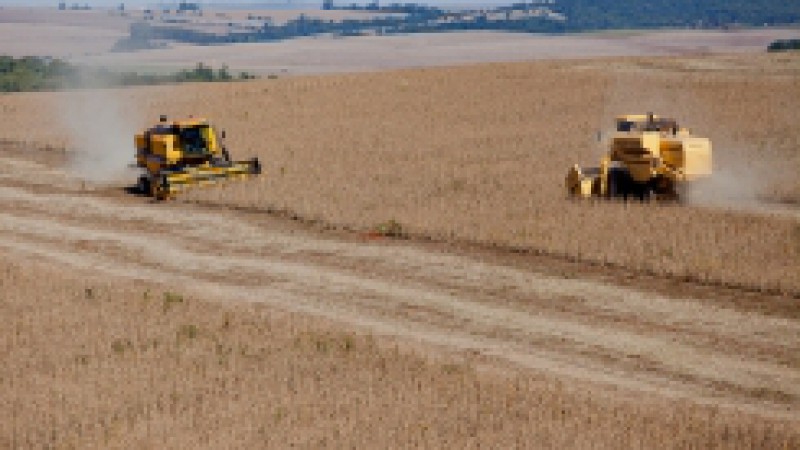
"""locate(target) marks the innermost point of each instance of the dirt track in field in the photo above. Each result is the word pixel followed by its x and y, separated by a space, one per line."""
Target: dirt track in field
pixel 705 345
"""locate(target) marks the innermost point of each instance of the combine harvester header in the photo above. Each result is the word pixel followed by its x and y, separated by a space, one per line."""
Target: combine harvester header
pixel 177 155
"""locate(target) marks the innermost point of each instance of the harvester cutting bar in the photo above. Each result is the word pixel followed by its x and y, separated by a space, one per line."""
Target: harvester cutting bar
pixel 172 182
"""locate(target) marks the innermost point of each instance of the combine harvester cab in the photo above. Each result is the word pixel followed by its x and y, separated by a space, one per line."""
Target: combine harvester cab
pixel 648 157
pixel 184 153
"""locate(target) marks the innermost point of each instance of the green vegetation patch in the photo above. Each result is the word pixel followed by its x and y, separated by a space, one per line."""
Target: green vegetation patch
pixel 32 74
pixel 783 45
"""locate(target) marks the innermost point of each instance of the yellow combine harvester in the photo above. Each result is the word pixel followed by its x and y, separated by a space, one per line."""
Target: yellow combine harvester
pixel 185 153
pixel 648 156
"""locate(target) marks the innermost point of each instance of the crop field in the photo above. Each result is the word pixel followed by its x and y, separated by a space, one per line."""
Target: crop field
pixel 479 153
pixel 276 312
pixel 77 373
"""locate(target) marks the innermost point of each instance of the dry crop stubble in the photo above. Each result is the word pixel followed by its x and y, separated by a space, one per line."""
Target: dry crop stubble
pixel 479 153
pixel 187 372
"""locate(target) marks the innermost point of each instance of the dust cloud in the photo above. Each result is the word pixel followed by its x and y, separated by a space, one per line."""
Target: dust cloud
pixel 101 123
pixel 745 184
pixel 732 183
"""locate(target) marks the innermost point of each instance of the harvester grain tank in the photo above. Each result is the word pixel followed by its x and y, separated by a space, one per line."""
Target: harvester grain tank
pixel 648 156
pixel 184 153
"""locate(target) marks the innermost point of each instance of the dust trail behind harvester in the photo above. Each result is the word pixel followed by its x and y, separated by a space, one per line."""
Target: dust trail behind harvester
pixel 747 177
pixel 101 123
pixel 732 182
pixel 738 183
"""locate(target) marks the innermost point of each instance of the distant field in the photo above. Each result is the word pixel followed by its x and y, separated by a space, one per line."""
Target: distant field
pixel 327 55
pixel 88 36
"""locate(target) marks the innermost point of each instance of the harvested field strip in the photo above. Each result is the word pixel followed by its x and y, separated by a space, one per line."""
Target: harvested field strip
pixel 592 367
pixel 199 374
pixel 403 301
pixel 572 298
pixel 448 270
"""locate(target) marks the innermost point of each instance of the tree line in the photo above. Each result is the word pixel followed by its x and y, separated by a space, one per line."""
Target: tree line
pixel 784 45
pixel 564 16
pixel 585 15
pixel 30 73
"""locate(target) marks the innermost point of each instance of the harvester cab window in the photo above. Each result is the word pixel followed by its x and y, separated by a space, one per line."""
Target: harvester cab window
pixel 625 125
pixel 192 140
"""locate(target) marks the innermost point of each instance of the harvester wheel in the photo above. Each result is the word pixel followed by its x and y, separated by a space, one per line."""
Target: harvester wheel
pixel 159 188
pixel 642 192
pixel 143 185
pixel 666 189
pixel 618 183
